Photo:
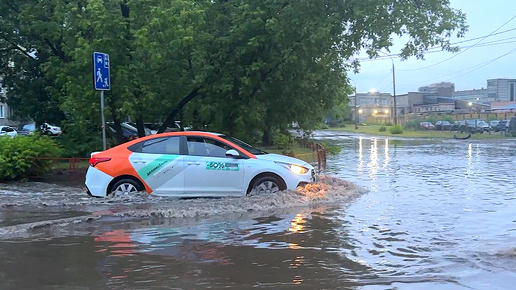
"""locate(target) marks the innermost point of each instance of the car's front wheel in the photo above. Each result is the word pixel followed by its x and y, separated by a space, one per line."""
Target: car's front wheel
pixel 125 187
pixel 266 185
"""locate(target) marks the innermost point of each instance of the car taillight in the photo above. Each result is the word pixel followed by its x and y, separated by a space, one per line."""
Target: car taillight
pixel 96 160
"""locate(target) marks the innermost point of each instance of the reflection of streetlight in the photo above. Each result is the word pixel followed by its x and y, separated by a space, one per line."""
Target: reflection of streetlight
pixel 386 111
pixel 360 111
pixel 470 104
pixel 375 111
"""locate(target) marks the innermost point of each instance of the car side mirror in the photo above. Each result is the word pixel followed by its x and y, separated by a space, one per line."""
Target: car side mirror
pixel 233 153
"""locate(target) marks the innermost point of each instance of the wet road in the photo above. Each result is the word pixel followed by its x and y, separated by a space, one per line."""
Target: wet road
pixel 438 215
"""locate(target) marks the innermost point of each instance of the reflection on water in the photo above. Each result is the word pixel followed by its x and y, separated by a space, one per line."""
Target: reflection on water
pixel 439 215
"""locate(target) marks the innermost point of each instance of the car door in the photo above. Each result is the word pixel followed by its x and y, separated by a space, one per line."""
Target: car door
pixel 160 164
pixel 208 171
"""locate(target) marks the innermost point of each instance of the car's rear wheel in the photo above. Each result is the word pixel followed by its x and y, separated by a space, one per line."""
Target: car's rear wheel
pixel 125 187
pixel 266 185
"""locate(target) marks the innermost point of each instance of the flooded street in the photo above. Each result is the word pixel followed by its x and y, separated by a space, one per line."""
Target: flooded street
pixel 425 214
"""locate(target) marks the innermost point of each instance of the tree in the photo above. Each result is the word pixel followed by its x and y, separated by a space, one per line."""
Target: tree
pixel 237 65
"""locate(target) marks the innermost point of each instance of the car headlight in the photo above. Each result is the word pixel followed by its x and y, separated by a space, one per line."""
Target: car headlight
pixel 294 168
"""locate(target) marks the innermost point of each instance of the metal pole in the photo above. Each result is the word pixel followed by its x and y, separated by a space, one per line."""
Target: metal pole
pixel 356 111
pixel 103 120
pixel 394 91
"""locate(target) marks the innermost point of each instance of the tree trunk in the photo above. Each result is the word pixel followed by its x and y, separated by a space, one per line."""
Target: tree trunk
pixel 139 126
pixel 172 116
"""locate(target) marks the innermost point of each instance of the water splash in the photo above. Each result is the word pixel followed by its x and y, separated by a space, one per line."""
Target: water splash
pixel 326 190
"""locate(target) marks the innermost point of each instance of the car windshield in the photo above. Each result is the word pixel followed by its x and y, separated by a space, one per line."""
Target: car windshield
pixel 29 127
pixel 244 145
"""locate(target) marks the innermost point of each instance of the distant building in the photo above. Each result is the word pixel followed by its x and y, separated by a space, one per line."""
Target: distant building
pixel 443 89
pixel 5 112
pixel 502 90
pixel 374 103
pixel 498 90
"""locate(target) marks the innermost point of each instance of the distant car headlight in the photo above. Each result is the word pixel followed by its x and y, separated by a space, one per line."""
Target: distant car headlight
pixel 294 168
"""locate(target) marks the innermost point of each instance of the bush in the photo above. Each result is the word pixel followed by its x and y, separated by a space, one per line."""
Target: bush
pixel 330 149
pixel 396 129
pixel 282 141
pixel 19 156
pixel 382 129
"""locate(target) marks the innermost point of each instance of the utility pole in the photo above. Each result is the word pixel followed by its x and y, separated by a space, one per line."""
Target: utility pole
pixel 394 91
pixel 393 87
pixel 356 111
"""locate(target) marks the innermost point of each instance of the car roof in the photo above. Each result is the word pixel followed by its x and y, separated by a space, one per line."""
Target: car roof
pixel 182 133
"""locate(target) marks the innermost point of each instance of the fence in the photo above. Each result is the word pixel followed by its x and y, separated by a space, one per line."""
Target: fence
pixel 318 153
pixel 65 169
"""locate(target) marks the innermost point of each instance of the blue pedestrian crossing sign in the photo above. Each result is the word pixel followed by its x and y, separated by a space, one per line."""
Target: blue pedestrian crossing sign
pixel 101 77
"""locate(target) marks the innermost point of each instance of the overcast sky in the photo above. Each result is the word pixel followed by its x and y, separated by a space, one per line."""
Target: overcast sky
pixel 469 69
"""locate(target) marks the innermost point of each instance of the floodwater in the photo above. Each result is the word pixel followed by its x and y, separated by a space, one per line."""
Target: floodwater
pixel 403 214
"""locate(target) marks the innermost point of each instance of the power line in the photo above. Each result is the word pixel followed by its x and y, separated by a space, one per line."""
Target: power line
pixel 491 43
pixel 455 55
pixel 493 60
pixel 435 49
pixel 484 36
pixel 471 69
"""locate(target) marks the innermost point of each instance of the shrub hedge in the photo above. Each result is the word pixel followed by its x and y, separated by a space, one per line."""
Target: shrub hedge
pixel 20 156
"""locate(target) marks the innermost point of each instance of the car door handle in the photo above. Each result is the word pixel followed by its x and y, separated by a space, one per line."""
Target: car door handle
pixel 193 163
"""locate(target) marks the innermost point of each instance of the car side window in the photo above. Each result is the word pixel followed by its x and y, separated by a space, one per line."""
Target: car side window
pixel 166 145
pixel 199 146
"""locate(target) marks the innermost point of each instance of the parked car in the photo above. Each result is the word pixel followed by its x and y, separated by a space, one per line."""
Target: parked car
pixel 456 125
pixel 426 126
pixel 493 123
pixel 50 130
pixel 176 126
pixel 27 129
pixel 192 164
pixel 443 125
pixel 129 131
pixel 502 126
pixel 474 126
pixel 8 131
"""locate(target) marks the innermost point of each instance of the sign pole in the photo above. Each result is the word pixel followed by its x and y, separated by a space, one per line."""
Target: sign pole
pixel 103 120
pixel 101 82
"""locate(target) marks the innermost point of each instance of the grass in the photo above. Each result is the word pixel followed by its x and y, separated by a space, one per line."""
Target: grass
pixel 375 130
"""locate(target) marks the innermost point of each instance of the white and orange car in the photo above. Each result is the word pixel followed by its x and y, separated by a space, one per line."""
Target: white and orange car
pixel 192 164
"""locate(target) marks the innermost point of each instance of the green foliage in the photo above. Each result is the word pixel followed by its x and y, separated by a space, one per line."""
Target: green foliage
pixel 235 66
pixel 397 129
pixel 283 141
pixel 331 149
pixel 19 156
pixel 382 129
pixel 80 139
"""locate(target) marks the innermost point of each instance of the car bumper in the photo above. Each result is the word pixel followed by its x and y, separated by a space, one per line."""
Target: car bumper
pixel 294 181
pixel 97 182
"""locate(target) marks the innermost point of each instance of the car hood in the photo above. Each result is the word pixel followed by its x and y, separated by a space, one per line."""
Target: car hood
pixel 283 158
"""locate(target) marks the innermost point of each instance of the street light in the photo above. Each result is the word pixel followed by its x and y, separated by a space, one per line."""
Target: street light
pixel 393 86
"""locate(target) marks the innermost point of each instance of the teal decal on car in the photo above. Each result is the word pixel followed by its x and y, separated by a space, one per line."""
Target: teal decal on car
pixel 155 165
pixel 211 165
